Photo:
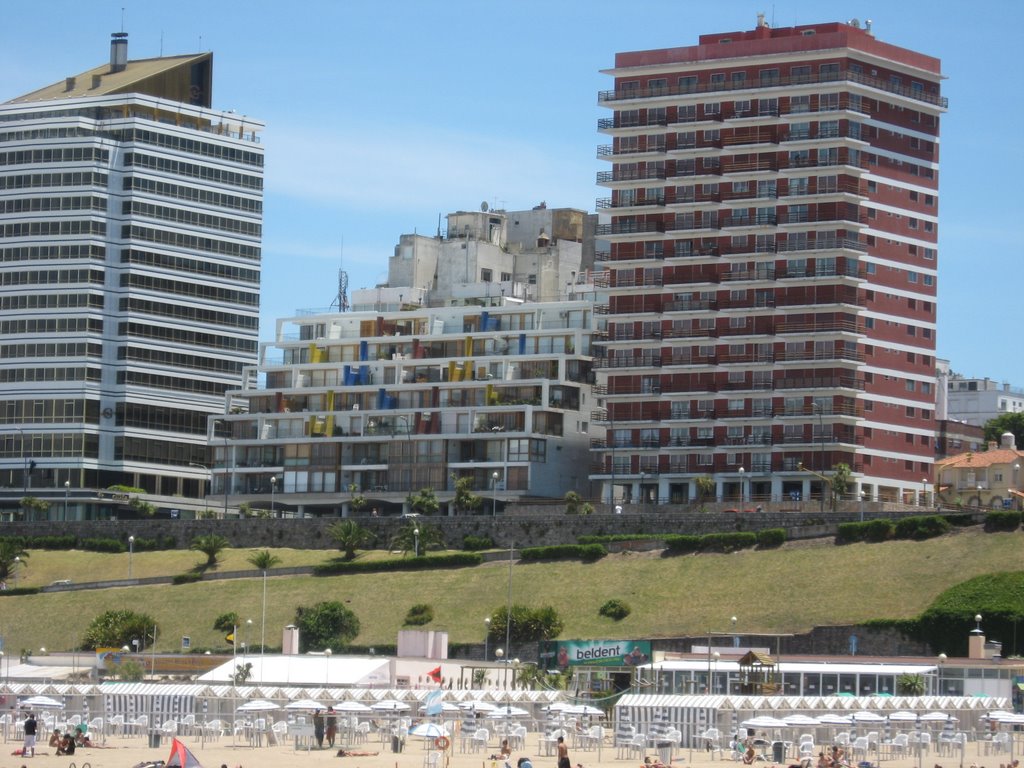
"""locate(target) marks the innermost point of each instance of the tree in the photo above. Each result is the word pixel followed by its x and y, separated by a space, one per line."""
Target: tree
pixel 115 629
pixel 839 482
pixel 226 622
pixel 143 508
pixel 527 624
pixel 242 673
pixel 263 560
pixel 32 507
pixel 424 501
pixel 575 505
pixel 12 557
pixel 465 501
pixel 909 684
pixel 325 625
pixel 705 487
pixel 350 536
pixel 131 671
pixel 406 539
pixel 1007 422
pixel 211 545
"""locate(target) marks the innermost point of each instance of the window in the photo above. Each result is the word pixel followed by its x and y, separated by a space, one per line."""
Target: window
pixel 768 107
pixel 712 108
pixel 686 114
pixel 800 104
pixel 712 136
pixel 686 140
pixel 929 280
pixel 800 74
pixel 486 275
pixel 657 85
pixel 769 76
pixel 911 386
pixel 739 79
pixel 911 277
pixel 717 80
pixel 829 71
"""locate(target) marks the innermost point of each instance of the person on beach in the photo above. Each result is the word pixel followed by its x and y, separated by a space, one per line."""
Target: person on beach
pixel 353 753
pixel 29 749
pixel 563 754
pixel 318 729
pixel 332 726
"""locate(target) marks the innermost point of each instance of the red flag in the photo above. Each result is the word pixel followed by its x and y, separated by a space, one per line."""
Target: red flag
pixel 435 675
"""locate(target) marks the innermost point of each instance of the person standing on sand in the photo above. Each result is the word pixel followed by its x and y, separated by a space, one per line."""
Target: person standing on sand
pixel 563 754
pixel 318 729
pixel 29 750
pixel 332 726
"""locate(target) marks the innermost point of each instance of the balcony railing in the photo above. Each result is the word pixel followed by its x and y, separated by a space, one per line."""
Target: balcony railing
pixel 755 83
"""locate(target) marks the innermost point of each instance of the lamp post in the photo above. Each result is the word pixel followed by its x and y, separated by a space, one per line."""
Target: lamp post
pixel 487 635
pixel 131 553
pixel 942 661
pixel 227 462
pixel 714 673
pixel 273 486
pixel 979 495
pixel 415 542
pixel 742 489
pixel 67 491
pixel 924 491
pixel 499 653
pixel 17 565
pixel 494 491
pixel 735 637
pixel 327 666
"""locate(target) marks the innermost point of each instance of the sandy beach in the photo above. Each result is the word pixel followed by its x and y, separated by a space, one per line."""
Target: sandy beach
pixel 125 752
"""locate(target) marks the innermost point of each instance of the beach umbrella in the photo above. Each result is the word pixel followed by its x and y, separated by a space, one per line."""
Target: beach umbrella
pixel 936 717
pixel 503 712
pixel 800 721
pixel 477 706
pixel 830 718
pixel 764 721
pixel 389 705
pixel 584 709
pixel 903 715
pixel 41 702
pixel 351 706
pixel 258 705
pixel 428 730
pixel 304 704
pixel 446 706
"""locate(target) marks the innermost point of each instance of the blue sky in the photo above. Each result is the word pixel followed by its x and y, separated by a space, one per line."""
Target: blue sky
pixel 381 116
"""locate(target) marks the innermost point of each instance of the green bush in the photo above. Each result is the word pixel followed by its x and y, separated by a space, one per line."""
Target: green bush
pixel 1002 520
pixel 920 527
pixel 525 624
pixel 476 543
pixel 419 615
pixel 154 545
pixel 727 542
pixel 427 562
pixel 65 542
pixel 10 592
pixel 682 544
pixel 615 609
pixel 959 519
pixel 588 553
pixel 948 621
pixel 771 537
pixel 103 545
pixel 607 538
pixel 871 530
pixel 187 578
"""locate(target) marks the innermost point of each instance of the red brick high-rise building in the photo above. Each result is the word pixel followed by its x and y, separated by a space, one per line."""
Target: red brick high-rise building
pixel 771 278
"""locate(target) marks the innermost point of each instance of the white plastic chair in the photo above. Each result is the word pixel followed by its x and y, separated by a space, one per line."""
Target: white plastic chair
pixel 480 739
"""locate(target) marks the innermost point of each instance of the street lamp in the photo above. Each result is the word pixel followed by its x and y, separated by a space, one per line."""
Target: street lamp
pixel 742 494
pixel 487 635
pixel 817 407
pixel 416 542
pixel 712 675
pixel 735 637
pixel 924 491
pixel 942 661
pixel 67 490
pixel 273 487
pixel 494 491
pixel 131 552
pixel 327 666
pixel 17 565
pixel 979 496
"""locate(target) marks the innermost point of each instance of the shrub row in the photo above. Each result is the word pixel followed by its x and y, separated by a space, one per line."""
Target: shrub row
pixel 476 543
pixel 917 528
pixel 427 562
pixel 1002 520
pixel 70 541
pixel 20 591
pixel 605 539
pixel 712 542
pixel 187 578
pixel 588 553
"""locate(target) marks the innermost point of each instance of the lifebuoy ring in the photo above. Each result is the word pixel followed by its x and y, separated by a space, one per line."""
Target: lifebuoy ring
pixel 442 743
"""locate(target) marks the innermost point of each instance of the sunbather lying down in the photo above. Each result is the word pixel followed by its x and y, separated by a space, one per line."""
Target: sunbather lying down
pixel 355 753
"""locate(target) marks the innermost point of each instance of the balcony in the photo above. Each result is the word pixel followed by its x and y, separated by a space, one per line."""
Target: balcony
pixel 620 174
pixel 916 94
pixel 629 228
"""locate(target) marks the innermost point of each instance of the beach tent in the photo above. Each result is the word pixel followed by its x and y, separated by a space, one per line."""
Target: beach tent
pixel 181 757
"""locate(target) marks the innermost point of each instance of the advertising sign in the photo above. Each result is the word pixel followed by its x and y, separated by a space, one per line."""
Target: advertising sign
pixel 602 653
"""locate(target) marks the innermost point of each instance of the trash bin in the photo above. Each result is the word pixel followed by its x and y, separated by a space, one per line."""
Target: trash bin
pixel 396 744
pixel 778 751
pixel 154 739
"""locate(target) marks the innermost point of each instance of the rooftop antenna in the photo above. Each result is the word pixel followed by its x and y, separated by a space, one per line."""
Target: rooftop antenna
pixel 122 18
pixel 161 43
pixel 341 299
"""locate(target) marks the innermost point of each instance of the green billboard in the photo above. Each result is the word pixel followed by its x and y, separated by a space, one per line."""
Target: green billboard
pixel 597 653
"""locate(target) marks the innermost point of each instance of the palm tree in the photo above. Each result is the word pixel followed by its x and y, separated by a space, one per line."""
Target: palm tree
pixel 210 545
pixel 263 560
pixel 349 536
pixel 11 557
pixel 428 537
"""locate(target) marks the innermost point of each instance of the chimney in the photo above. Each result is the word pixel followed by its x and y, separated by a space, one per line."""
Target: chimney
pixel 69 83
pixel 96 80
pixel 290 640
pixel 976 641
pixel 118 51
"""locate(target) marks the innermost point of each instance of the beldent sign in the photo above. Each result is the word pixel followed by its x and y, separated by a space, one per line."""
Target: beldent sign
pixel 602 653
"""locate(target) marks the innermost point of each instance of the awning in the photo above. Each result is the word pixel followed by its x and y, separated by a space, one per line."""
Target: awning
pixel 1018 494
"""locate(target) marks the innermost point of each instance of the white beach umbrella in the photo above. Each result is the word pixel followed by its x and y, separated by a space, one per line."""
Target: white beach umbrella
pixel 305 704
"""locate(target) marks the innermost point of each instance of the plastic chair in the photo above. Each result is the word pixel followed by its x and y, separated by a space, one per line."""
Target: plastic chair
pixel 480 739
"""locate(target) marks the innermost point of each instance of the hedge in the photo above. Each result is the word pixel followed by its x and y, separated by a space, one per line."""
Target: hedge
pixel 771 537
pixel 474 543
pixel 588 553
pixel 1002 520
pixel 727 542
pixel 871 530
pixel 682 544
pixel 20 591
pixel 187 578
pixel 921 527
pixel 594 539
pixel 427 562
pixel 102 545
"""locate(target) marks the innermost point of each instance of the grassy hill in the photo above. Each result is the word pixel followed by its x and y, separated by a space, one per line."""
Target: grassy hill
pixel 791 589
